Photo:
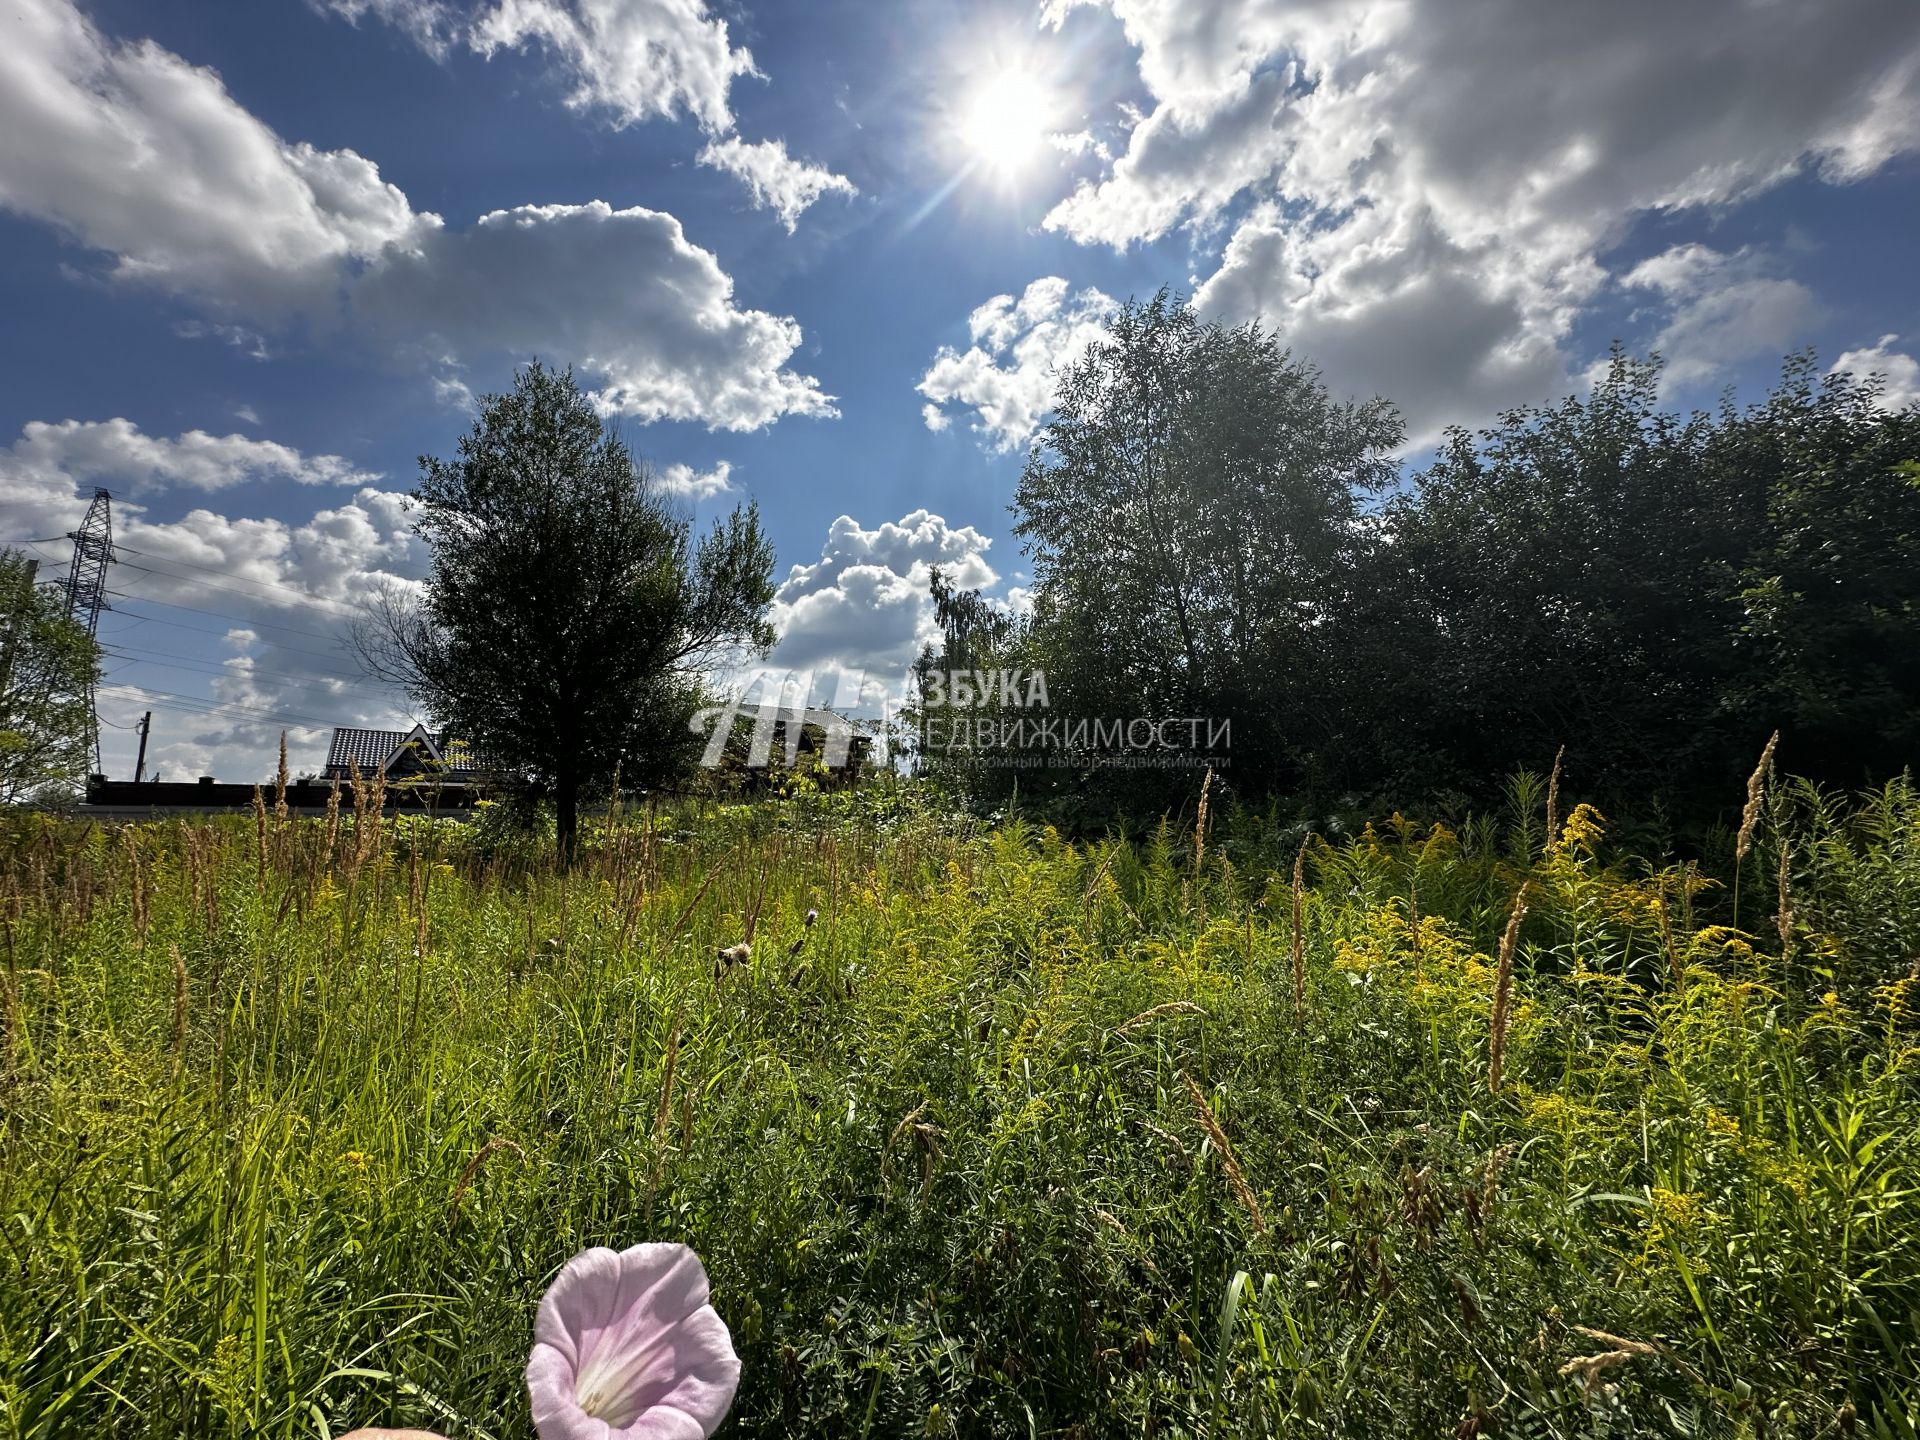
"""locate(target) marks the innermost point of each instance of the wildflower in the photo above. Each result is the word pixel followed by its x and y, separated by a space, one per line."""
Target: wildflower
pixel 626 1347
pixel 1721 1123
pixel 1583 829
pixel 1677 1207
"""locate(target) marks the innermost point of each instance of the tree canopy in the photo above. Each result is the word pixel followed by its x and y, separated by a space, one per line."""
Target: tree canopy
pixel 569 616
pixel 1212 533
pixel 1194 509
pixel 48 665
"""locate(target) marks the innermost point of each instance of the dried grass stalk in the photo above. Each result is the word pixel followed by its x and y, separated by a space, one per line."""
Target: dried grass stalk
pixel 1667 940
pixel 1299 933
pixel 1591 1367
pixel 139 895
pixel 333 819
pixel 179 1005
pixel 260 836
pixel 1553 797
pixel 1783 916
pixel 1620 1350
pixel 664 1114
pixel 1200 822
pixel 1503 991
pixel 493 1146
pixel 1158 1012
pixel 926 1139
pixel 1756 792
pixel 1236 1177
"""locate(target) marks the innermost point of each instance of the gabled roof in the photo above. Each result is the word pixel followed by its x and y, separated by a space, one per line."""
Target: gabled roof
pixel 417 735
pixel 375 750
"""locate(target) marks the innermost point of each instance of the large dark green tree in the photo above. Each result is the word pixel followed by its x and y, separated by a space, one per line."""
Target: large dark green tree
pixel 1830 596
pixel 1563 578
pixel 1655 592
pixel 1192 509
pixel 47 666
pixel 569 617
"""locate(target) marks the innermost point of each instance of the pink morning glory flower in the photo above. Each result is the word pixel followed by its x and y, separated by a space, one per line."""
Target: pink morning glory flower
pixel 626 1347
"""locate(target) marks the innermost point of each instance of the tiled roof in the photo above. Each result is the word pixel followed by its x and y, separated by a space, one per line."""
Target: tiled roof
pixel 369 750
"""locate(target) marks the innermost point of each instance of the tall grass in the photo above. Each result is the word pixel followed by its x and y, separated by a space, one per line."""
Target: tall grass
pixel 1022 1137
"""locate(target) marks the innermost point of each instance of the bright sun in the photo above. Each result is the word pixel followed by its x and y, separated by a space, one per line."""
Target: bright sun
pixel 1005 120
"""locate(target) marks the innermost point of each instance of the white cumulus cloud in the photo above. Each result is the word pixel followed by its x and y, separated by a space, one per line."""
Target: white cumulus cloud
pixel 287 589
pixel 1421 190
pixel 1723 308
pixel 1007 375
pixel 862 611
pixel 776 180
pixel 136 153
pixel 132 151
pixel 1897 371
pixel 683 482
pixel 623 293
pixel 47 471
pixel 634 59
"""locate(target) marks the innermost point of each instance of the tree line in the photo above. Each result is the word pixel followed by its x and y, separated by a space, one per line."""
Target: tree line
pixel 1216 538
pixel 1213 534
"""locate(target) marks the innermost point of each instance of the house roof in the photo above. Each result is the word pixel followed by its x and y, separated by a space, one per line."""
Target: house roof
pixel 374 750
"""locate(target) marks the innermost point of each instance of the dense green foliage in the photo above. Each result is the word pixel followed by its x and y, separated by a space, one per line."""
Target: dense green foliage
pixel 569 617
pixel 1022 1138
pixel 1656 593
pixel 47 666
pixel 1192 508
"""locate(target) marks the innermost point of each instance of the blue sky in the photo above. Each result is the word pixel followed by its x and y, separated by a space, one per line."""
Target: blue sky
pixel 259 257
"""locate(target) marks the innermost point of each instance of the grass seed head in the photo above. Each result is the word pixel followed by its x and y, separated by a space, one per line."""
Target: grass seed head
pixel 1503 991
pixel 1236 1177
pixel 1756 792
pixel 1553 798
pixel 1299 936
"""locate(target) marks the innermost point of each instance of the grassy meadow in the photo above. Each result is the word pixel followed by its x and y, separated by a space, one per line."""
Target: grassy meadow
pixel 1021 1137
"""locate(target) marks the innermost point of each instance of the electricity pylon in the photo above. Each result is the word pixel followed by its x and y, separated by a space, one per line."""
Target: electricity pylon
pixel 86 588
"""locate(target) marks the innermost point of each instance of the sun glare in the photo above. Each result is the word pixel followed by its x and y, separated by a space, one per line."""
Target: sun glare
pixel 1005 120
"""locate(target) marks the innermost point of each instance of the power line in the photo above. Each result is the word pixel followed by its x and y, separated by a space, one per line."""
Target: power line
pixel 222 615
pixel 250 620
pixel 216 585
pixel 140 619
pixel 206 672
pixel 305 597
pixel 193 704
pixel 202 705
pixel 242 579
pixel 214 667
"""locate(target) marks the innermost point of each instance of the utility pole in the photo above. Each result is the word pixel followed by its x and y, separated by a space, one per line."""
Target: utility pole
pixel 87 589
pixel 20 619
pixel 140 765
